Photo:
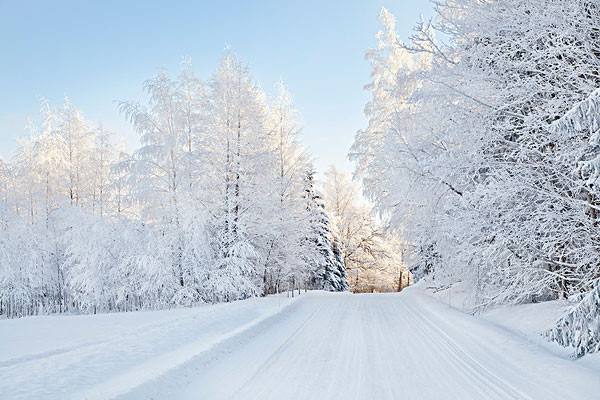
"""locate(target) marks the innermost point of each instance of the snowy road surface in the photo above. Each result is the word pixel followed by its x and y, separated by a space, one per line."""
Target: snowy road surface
pixel 320 346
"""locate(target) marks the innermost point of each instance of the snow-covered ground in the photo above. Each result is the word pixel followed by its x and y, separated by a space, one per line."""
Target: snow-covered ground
pixel 105 355
pixel 525 320
pixel 318 346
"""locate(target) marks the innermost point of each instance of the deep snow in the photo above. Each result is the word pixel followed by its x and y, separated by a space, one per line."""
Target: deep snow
pixel 524 320
pixel 102 356
pixel 318 346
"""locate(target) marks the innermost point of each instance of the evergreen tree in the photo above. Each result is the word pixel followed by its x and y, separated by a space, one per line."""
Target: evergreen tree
pixel 328 271
pixel 335 272
pixel 580 327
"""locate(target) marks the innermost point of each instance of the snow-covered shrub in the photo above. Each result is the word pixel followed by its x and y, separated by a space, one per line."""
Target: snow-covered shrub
pixel 580 327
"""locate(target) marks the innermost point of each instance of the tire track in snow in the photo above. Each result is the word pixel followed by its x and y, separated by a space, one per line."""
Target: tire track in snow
pixel 47 354
pixel 342 347
pixel 274 357
pixel 464 362
pixel 143 329
pixel 380 347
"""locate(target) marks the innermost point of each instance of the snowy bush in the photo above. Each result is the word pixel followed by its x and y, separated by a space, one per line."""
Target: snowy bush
pixel 580 327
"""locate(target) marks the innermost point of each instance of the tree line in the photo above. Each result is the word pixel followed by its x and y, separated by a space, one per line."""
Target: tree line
pixel 218 203
pixel 482 146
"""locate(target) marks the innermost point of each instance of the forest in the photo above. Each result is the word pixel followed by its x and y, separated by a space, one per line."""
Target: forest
pixel 410 211
pixel 219 203
pixel 482 146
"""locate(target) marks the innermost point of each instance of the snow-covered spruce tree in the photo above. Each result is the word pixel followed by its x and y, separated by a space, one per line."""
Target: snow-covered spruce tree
pixel 327 270
pixel 335 278
pixel 580 327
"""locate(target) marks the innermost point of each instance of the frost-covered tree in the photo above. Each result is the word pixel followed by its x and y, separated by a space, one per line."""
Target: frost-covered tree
pixel 580 327
pixel 461 152
pixel 159 170
pixel 212 206
pixel 286 255
pixel 369 252
pixel 241 166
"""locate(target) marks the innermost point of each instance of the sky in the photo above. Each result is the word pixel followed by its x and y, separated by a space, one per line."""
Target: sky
pixel 100 52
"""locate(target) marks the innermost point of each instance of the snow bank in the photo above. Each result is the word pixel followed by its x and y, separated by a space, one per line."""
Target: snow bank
pixel 526 320
pixel 102 356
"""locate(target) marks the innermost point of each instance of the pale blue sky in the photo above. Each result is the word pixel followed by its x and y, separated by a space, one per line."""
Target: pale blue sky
pixel 97 52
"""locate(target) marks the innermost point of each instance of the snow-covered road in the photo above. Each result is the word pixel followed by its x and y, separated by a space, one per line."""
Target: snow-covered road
pixel 321 346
